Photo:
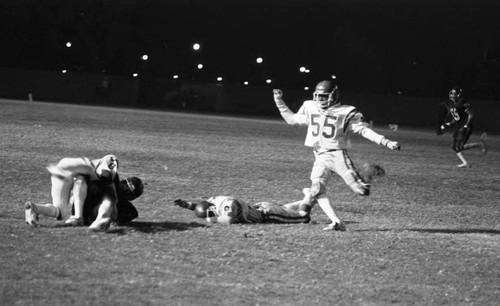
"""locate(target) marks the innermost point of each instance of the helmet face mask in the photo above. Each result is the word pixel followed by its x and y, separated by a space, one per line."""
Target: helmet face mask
pixel 455 94
pixel 326 94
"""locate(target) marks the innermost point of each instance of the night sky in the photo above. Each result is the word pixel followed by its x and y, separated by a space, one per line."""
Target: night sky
pixel 386 46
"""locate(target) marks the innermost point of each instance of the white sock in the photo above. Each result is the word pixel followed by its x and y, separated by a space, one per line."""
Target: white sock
pixel 462 158
pixel 325 204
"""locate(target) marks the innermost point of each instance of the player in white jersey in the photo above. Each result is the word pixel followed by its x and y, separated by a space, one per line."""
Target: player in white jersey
pixel 329 127
pixel 229 210
pixel 69 191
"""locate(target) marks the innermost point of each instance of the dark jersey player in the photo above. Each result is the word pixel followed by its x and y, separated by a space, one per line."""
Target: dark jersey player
pixel 104 203
pixel 460 118
pixel 127 190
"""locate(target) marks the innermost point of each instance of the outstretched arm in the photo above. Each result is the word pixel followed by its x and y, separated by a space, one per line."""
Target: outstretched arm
pixel 371 135
pixel 285 112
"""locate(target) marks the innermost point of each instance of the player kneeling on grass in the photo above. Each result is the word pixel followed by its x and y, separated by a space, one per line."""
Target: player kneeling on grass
pixel 228 210
pixel 70 179
pixel 330 125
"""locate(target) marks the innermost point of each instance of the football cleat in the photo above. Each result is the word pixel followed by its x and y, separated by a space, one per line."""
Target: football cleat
pixel 304 209
pixel 483 147
pixel 361 188
pixel 464 165
pixel 74 221
pixel 31 214
pixel 337 226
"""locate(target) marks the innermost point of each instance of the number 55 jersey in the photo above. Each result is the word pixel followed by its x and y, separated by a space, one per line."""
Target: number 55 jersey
pixel 330 129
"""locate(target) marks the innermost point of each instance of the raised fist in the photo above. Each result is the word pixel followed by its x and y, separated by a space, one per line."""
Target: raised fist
pixel 278 94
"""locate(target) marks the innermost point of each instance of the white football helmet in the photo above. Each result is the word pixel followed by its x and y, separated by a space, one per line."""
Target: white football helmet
pixel 326 94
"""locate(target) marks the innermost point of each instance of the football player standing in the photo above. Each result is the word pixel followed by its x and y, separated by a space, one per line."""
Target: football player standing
pixel 329 127
pixel 460 117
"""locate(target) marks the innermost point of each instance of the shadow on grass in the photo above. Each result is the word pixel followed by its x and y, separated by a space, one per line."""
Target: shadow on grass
pixel 436 230
pixel 154 227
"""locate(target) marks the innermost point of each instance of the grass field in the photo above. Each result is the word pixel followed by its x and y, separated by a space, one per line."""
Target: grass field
pixel 429 234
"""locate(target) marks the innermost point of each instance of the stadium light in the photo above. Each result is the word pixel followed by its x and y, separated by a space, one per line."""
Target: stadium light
pixel 219 79
pixel 64 71
pixel 259 60
pixel 145 57
pixel 68 44
pixel 302 69
pixel 269 81
pixel 196 46
pixel 245 83
pixel 200 66
pixel 135 74
pixel 175 76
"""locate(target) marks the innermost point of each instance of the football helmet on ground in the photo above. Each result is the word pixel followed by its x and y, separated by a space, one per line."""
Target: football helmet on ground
pixel 326 94
pixel 132 187
pixel 202 210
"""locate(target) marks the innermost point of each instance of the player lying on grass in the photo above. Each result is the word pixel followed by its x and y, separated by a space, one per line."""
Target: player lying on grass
pixel 81 186
pixel 229 210
pixel 330 125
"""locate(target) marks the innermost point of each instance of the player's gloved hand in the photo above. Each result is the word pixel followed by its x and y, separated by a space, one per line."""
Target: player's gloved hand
pixel 393 145
pixel 184 204
pixel 278 95
pixel 278 99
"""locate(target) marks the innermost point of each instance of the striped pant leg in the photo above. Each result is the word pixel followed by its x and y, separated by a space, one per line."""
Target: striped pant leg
pixel 278 214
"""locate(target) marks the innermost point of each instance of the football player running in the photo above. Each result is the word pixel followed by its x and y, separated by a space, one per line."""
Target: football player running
pixel 229 210
pixel 460 118
pixel 329 127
